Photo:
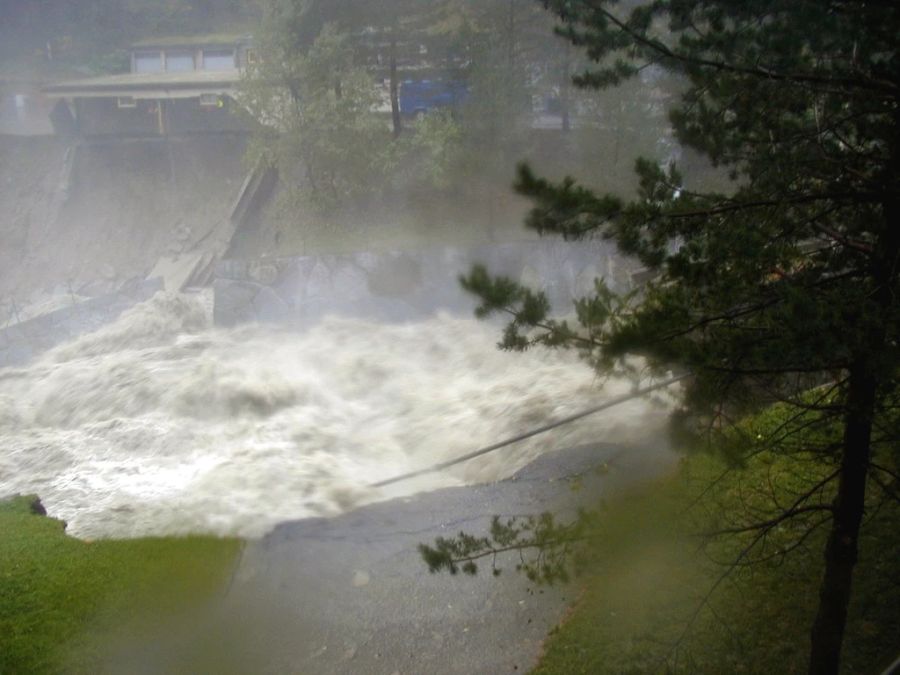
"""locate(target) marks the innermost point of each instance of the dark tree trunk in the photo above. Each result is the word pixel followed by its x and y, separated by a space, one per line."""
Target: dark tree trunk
pixel 849 505
pixel 395 93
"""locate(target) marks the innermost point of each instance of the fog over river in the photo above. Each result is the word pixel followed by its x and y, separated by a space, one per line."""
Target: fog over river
pixel 160 423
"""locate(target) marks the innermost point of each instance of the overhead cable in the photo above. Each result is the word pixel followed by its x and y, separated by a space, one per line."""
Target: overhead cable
pixel 534 432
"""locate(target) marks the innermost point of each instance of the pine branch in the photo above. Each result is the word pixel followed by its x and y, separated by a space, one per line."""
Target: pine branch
pixel 889 489
pixel 737 206
pixel 767 525
pixel 887 87
pixel 795 510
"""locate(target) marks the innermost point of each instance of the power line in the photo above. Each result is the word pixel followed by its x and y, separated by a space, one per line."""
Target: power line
pixel 534 432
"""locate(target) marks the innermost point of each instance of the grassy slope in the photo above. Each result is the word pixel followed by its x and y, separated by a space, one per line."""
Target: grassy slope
pixel 649 577
pixel 61 598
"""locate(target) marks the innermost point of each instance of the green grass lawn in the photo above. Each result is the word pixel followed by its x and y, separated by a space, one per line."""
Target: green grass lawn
pixel 642 608
pixel 63 601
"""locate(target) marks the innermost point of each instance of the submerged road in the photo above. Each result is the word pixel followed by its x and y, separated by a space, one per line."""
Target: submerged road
pixel 351 594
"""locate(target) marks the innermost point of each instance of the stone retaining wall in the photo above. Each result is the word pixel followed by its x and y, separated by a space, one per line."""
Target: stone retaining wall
pixel 400 286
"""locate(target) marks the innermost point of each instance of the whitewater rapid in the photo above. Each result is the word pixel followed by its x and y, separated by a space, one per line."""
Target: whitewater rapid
pixel 160 423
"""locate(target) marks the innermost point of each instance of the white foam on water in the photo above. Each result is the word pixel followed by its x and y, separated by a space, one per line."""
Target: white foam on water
pixel 161 424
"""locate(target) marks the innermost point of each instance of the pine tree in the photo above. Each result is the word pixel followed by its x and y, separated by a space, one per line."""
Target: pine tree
pixel 784 286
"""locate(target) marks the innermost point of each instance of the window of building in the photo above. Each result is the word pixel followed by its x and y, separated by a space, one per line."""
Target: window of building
pixel 148 62
pixel 218 59
pixel 179 61
pixel 252 57
pixel 126 102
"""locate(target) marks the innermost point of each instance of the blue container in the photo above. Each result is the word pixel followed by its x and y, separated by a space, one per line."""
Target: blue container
pixel 418 97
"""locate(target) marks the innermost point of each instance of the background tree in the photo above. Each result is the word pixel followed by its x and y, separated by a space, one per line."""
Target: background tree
pixel 318 112
pixel 315 91
pixel 511 47
pixel 92 32
pixel 782 288
pixel 387 32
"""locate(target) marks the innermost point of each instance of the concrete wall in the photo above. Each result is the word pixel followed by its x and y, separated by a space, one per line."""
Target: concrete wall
pixel 24 111
pixel 109 209
pixel 400 286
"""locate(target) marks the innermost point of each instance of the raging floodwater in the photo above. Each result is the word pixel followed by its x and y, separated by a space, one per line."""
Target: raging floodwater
pixel 162 424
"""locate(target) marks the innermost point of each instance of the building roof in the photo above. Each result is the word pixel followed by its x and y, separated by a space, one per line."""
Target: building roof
pixel 210 40
pixel 149 85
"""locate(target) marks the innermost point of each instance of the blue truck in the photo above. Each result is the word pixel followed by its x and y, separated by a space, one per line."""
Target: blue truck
pixel 418 97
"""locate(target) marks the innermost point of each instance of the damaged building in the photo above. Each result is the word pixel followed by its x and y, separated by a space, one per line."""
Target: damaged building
pixel 175 86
